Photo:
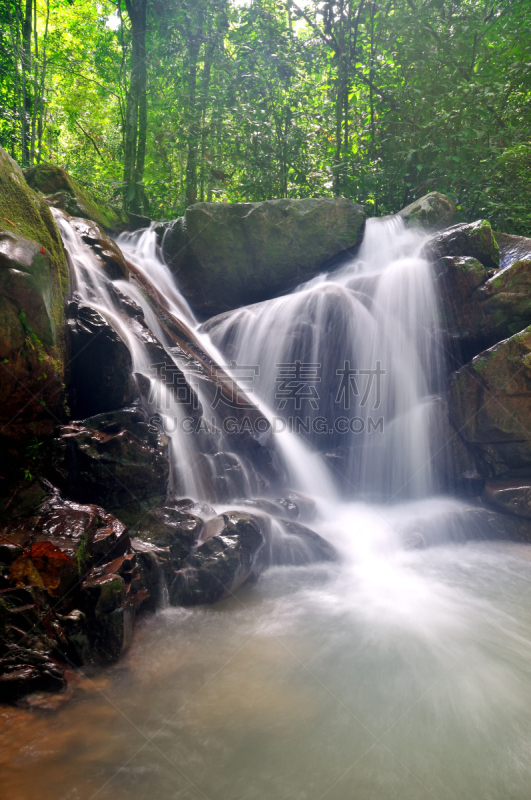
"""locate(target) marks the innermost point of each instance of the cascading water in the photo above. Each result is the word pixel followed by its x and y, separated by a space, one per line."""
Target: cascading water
pixel 395 674
pixel 350 360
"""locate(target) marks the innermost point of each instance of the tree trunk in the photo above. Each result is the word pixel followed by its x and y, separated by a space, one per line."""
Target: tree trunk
pixel 194 45
pixel 136 110
pixel 26 75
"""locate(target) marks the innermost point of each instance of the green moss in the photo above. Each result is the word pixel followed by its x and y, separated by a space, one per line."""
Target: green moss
pixel 53 181
pixel 25 213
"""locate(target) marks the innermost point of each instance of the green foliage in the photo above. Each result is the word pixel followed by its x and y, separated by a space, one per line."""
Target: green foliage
pixel 378 101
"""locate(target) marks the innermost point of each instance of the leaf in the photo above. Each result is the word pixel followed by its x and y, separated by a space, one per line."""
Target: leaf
pixel 40 566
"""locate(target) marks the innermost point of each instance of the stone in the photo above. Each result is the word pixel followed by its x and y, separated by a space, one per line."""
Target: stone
pixel 225 255
pixel 108 253
pixel 112 459
pixel 474 239
pixel 63 192
pixel 299 546
pixel 101 366
pixel 217 567
pixel 513 497
pixel 99 584
pixel 433 211
pixel 490 406
pixel 33 285
pixel 513 248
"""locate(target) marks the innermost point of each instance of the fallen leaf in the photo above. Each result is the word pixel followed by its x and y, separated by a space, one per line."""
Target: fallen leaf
pixel 40 566
pixel 8 220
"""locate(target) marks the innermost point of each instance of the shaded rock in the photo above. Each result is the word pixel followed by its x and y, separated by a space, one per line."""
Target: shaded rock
pixel 97 584
pixel 220 565
pixel 490 405
pixel 453 462
pixel 225 255
pixel 101 366
pixel 23 671
pixel 109 254
pixel 473 239
pixel 482 306
pixel 434 210
pixel 64 193
pixel 33 284
pixel 513 497
pixel 111 459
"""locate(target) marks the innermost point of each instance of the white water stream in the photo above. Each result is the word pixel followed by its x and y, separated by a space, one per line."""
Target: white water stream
pixel 395 674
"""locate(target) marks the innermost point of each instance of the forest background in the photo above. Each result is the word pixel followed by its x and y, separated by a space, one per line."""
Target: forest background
pixel 157 104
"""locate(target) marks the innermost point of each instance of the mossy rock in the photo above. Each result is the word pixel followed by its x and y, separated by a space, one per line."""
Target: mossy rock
pixel 475 239
pixel 433 211
pixel 230 254
pixel 63 192
pixel 33 286
pixel 490 405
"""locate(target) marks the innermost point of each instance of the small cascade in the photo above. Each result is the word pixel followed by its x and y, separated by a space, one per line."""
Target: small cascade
pixel 350 361
pixel 221 445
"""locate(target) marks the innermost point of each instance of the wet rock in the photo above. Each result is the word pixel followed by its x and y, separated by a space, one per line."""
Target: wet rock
pixel 97 585
pixel 453 462
pixel 220 565
pixel 111 459
pixel 23 671
pixel 101 366
pixel 433 211
pixel 300 546
pixel 225 255
pixel 297 506
pixel 490 405
pixel 513 496
pixel 473 239
pixel 63 192
pixel 513 248
pixel 108 253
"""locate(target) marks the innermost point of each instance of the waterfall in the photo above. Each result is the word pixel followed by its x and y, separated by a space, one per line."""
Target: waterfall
pixel 350 361
pixel 209 461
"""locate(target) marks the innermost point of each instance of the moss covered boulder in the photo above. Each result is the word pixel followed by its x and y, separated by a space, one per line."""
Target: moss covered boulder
pixel 475 239
pixel 225 255
pixel 61 191
pixel 490 406
pixel 433 211
pixel 33 285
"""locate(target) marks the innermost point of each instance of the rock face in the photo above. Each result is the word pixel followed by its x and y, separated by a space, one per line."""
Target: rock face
pixel 111 459
pixel 482 305
pixel 225 255
pixel 71 588
pixel 100 367
pixel 63 192
pixel 433 211
pixel 473 239
pixel 33 284
pixel 490 405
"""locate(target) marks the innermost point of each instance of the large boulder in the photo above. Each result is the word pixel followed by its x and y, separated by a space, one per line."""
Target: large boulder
pixel 225 255
pixel 33 284
pixel 490 406
pixel 475 239
pixel 433 211
pixel 61 191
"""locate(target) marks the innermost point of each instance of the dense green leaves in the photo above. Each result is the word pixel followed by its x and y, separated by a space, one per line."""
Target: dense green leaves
pixel 377 101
